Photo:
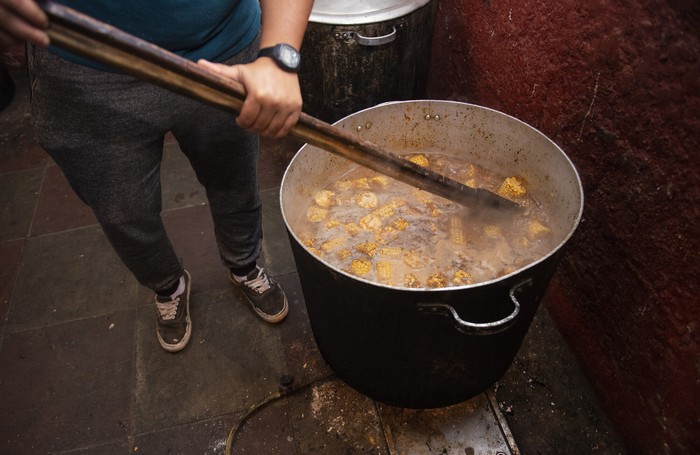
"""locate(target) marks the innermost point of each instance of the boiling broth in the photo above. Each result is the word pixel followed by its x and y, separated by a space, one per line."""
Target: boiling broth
pixel 388 232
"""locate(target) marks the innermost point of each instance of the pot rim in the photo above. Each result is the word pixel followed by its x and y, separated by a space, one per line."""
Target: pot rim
pixel 502 278
pixel 331 12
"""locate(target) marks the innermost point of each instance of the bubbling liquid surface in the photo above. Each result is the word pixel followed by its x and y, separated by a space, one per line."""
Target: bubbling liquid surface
pixel 388 232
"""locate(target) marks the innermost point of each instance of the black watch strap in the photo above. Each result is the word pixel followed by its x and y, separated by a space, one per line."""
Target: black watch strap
pixel 285 55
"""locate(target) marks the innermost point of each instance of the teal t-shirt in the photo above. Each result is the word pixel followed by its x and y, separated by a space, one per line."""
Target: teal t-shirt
pixel 215 30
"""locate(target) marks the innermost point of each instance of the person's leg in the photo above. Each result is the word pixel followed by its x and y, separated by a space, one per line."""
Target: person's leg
pixel 225 159
pixel 106 132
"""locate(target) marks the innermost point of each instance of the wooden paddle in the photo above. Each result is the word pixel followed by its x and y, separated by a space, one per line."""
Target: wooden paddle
pixel 85 36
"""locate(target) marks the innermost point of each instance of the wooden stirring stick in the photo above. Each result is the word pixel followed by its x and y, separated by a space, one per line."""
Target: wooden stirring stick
pixel 88 37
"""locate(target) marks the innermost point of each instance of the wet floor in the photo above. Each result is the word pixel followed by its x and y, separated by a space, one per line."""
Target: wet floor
pixel 81 371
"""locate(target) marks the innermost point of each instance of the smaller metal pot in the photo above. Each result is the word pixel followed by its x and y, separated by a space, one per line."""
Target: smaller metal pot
pixel 353 52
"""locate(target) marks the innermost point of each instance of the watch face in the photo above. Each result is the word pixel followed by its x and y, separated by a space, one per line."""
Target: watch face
pixel 289 56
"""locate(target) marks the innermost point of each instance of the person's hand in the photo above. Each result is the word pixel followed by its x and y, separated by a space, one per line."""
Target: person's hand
pixel 22 20
pixel 273 97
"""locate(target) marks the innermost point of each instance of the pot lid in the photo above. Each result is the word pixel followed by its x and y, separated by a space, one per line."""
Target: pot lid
pixel 343 12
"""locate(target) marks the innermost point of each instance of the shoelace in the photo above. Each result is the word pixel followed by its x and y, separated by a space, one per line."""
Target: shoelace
pixel 259 284
pixel 168 310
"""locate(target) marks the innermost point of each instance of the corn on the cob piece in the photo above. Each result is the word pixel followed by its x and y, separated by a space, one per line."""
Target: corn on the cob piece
pixel 371 222
pixel 536 229
pixel 413 260
pixel 384 211
pixel 391 251
pixel 470 170
pixel 436 280
pixel 367 200
pixel 511 188
pixel 423 197
pixel 360 267
pixel 343 185
pixel 368 248
pixel 324 198
pixel 330 224
pixel 386 235
pixel 384 270
pixel 457 231
pixel 433 210
pixel 352 229
pixel 471 183
pixel 333 244
pixel 411 281
pixel 420 160
pixel 307 240
pixel 493 232
pixel 344 254
pixel 401 224
pixel 396 202
pixel 316 214
pixel 316 251
pixel 461 277
pixel 361 183
pixel 380 180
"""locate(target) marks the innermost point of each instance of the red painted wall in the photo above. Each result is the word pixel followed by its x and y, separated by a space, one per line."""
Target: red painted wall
pixel 617 85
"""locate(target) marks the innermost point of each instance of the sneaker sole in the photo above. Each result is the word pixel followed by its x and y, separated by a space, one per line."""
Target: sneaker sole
pixel 188 333
pixel 272 319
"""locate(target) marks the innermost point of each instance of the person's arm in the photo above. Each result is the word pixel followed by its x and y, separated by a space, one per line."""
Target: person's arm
pixel 273 96
pixel 22 20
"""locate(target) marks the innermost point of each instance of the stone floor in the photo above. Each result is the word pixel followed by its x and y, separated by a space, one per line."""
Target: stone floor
pixel 81 371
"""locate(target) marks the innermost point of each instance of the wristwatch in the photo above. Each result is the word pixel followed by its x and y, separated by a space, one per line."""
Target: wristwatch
pixel 284 55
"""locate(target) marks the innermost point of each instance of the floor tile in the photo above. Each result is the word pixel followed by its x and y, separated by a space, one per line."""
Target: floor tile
pixel 18 147
pixel 58 208
pixel 470 427
pixel 233 360
pixel 68 276
pixel 546 400
pixel 331 418
pixel 18 196
pixel 266 431
pixel 66 385
pixel 205 437
pixel 11 253
pixel 120 447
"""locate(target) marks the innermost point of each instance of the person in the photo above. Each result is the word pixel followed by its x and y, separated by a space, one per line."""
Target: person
pixel 105 129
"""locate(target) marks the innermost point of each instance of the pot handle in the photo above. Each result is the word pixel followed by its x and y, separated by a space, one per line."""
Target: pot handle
pixel 479 328
pixel 366 40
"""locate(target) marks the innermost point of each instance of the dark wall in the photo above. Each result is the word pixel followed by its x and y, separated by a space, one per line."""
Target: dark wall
pixel 616 85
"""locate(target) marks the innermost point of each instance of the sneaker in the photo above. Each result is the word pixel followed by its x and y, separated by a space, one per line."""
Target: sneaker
pixel 174 325
pixel 264 294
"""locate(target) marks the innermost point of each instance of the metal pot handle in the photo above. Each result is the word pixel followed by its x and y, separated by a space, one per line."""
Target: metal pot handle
pixel 366 40
pixel 478 328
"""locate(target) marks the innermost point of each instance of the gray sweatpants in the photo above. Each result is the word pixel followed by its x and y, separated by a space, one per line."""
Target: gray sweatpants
pixel 106 131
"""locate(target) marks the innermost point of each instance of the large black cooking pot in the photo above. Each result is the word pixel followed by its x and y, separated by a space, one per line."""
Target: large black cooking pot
pixel 427 348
